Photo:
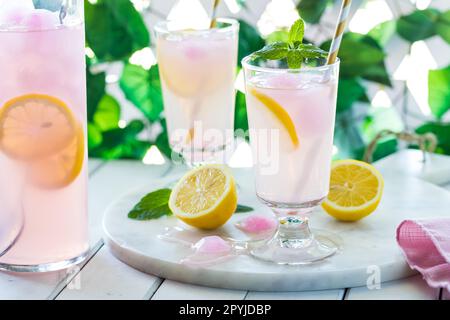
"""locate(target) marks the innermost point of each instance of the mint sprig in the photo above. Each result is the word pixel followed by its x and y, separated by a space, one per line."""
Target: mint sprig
pixel 296 33
pixel 153 206
pixel 294 59
pixel 294 51
pixel 273 51
pixel 310 51
pixel 156 205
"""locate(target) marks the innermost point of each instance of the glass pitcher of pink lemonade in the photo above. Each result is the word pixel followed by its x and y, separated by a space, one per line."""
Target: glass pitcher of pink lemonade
pixel 43 158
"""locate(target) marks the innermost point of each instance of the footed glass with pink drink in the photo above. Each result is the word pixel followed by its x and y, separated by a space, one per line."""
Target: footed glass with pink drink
pixel 43 152
pixel 291 112
pixel 292 116
pixel 197 69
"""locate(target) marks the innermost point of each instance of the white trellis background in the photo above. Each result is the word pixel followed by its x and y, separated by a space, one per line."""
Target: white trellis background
pixel 408 67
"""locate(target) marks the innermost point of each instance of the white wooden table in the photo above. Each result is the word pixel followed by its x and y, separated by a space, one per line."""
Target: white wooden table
pixel 104 277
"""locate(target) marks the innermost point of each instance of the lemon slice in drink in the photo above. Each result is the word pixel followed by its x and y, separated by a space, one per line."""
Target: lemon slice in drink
pixel 62 168
pixel 205 197
pixel 42 131
pixel 35 125
pixel 179 85
pixel 356 188
pixel 278 111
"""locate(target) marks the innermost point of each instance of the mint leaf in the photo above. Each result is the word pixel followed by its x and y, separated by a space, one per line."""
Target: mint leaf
pixel 294 59
pixel 293 50
pixel 311 51
pixel 242 209
pixel 152 206
pixel 156 204
pixel 296 33
pixel 273 51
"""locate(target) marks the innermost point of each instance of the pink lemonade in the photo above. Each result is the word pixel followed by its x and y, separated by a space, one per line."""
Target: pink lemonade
pixel 291 94
pixel 291 113
pixel 197 69
pixel 43 149
pixel 292 121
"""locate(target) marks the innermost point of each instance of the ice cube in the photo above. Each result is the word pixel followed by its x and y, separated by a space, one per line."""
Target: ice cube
pixel 257 224
pixel 12 12
pixel 194 52
pixel 40 19
pixel 209 250
pixel 284 81
pixel 212 245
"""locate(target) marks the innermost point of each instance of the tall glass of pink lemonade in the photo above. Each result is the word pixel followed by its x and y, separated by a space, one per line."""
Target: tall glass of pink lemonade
pixel 43 158
pixel 198 69
pixel 291 116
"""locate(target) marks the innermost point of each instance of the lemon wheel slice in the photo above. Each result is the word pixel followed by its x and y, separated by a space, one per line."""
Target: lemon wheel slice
pixel 178 84
pixel 205 197
pixel 62 168
pixel 42 131
pixel 279 112
pixel 356 188
pixel 35 125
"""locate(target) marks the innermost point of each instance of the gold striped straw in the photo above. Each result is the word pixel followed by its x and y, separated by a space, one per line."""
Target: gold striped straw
pixel 336 42
pixel 213 15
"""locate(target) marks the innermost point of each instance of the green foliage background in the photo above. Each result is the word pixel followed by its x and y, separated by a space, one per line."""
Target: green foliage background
pixel 115 30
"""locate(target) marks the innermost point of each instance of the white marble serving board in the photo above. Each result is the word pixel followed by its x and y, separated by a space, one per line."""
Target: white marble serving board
pixel 367 246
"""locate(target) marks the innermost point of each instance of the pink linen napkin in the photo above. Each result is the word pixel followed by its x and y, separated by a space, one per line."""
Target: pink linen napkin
pixel 426 245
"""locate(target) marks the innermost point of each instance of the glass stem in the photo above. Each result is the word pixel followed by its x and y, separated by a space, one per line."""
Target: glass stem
pixel 293 230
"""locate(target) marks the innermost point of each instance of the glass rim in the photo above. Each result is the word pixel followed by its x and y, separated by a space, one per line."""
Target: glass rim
pixel 247 66
pixel 233 24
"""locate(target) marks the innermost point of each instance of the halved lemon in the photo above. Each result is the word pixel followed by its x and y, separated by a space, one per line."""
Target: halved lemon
pixel 279 112
pixel 356 188
pixel 35 125
pixel 205 197
pixel 62 168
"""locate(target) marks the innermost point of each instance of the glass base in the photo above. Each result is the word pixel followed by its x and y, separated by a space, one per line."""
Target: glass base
pixel 194 157
pixel 294 243
pixel 45 267
pixel 298 251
